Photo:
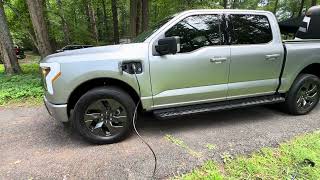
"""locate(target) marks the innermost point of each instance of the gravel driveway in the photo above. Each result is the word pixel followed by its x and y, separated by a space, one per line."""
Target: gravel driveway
pixel 35 146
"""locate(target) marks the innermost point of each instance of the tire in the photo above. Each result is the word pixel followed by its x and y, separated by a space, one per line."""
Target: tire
pixel 95 115
pixel 66 124
pixel 298 100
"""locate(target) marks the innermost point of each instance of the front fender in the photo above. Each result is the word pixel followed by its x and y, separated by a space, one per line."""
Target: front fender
pixel 73 76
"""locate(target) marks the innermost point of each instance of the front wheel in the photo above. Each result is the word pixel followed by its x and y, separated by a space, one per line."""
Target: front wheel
pixel 303 96
pixel 104 115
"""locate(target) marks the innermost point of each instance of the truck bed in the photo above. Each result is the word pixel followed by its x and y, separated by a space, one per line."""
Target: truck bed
pixel 299 54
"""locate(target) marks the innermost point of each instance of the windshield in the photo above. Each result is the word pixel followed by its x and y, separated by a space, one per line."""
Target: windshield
pixel 144 35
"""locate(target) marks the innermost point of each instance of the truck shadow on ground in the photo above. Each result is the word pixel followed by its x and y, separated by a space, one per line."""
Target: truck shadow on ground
pixel 235 117
pixel 148 124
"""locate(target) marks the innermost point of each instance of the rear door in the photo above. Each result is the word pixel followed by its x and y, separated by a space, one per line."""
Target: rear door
pixel 256 55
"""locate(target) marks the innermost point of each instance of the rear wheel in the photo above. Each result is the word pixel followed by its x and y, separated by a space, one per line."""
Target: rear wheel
pixel 304 95
pixel 104 115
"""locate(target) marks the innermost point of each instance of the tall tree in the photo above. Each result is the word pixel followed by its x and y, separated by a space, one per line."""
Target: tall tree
pixel 115 21
pixel 40 27
pixel 313 2
pixel 133 18
pixel 234 4
pixel 7 52
pixel 105 20
pixel 225 4
pixel 92 19
pixel 138 17
pixel 145 15
pixel 275 7
pixel 65 27
pixel 301 8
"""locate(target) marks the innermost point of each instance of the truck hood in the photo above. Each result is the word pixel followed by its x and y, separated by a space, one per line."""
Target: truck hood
pixel 85 51
pixel 113 52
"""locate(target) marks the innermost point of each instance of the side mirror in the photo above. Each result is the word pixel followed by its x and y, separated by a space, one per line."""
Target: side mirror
pixel 170 45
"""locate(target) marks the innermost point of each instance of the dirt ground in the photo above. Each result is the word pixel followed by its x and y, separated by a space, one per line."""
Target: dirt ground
pixel 35 146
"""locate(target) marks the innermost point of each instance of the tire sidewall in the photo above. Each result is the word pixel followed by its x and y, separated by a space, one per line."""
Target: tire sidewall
pixel 97 94
pixel 294 93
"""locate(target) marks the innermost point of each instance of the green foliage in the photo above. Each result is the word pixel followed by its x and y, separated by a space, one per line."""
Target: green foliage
pixel 285 162
pixel 21 88
pixel 290 160
pixel 80 30
pixel 211 146
pixel 209 171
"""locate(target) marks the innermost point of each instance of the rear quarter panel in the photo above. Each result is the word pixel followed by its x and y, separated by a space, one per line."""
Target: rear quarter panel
pixel 300 54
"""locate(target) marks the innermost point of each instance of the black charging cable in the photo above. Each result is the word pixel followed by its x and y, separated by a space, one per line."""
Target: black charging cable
pixel 134 124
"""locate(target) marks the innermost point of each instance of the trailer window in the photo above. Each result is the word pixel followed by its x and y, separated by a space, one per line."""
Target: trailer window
pixel 249 29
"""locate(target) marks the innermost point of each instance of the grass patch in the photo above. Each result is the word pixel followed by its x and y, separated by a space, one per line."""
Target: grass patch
pixel 30 58
pixel 182 144
pixel 296 159
pixel 209 171
pixel 22 89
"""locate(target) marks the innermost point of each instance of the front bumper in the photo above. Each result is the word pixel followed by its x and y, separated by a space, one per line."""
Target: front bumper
pixel 59 112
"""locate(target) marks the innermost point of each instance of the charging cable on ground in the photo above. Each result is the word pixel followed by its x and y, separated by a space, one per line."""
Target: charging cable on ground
pixel 134 124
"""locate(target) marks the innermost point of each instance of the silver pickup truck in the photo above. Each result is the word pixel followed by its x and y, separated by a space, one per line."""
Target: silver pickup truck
pixel 193 62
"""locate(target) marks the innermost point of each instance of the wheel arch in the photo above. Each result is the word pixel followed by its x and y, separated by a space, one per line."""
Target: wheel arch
pixel 311 69
pixel 99 82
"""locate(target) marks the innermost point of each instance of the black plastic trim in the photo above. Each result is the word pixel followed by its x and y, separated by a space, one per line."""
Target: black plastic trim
pixel 284 61
pixel 218 106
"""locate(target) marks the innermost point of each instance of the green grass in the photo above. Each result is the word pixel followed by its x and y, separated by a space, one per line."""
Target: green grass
pixel 182 144
pixel 284 162
pixel 22 89
pixel 209 171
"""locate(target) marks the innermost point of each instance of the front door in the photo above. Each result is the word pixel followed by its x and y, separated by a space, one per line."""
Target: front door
pixel 199 72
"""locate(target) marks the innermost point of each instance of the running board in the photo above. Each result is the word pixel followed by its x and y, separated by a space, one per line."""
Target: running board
pixel 218 106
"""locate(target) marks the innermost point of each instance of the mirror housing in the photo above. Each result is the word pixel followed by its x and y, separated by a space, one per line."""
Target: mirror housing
pixel 169 45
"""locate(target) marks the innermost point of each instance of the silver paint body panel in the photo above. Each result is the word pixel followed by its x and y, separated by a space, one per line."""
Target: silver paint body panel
pixel 188 78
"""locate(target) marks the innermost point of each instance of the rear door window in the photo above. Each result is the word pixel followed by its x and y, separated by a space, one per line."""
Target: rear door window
pixel 249 29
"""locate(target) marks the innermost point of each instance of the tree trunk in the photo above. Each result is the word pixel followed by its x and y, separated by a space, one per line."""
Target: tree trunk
pixel 145 15
pixel 92 20
pixel 138 18
pixel 301 8
pixel 275 7
pixel 40 27
pixel 225 4
pixel 65 27
pixel 234 4
pixel 313 2
pixel 124 24
pixel 135 13
pixel 115 21
pixel 46 10
pixel 105 20
pixel 7 52
pixel 133 18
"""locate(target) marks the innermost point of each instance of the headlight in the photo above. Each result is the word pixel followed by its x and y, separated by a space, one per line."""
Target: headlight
pixel 50 73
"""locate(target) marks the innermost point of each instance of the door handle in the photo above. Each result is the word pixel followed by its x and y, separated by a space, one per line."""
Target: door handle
pixel 218 60
pixel 272 57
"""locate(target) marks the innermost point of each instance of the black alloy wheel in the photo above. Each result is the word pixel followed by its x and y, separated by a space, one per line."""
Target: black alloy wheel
pixel 304 95
pixel 308 95
pixel 106 118
pixel 104 115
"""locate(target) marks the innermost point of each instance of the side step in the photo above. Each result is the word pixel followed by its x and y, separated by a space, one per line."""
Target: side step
pixel 218 106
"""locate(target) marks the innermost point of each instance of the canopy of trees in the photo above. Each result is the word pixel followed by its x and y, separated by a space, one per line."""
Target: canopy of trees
pixel 46 25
